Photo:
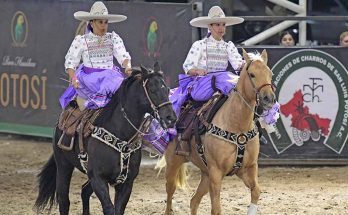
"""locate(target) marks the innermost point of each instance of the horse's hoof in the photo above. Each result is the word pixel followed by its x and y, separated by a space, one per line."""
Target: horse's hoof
pixel 252 209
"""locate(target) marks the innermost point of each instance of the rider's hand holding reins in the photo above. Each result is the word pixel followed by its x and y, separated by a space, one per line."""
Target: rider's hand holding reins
pixel 74 80
pixel 128 67
pixel 194 72
pixel 128 71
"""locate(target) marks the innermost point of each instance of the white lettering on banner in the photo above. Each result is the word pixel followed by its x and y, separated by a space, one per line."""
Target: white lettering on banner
pixel 282 72
pixel 345 116
pixel 338 76
pixel 344 89
pixel 277 133
pixel 314 59
pixel 17 61
pixel 344 120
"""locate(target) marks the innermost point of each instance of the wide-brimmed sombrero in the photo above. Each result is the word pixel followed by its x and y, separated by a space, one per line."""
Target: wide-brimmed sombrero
pixel 215 15
pixel 98 11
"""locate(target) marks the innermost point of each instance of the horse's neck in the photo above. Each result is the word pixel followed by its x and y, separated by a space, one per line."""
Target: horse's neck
pixel 235 115
pixel 121 124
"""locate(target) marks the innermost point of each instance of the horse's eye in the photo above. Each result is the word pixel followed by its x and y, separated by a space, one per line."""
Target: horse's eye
pixel 252 75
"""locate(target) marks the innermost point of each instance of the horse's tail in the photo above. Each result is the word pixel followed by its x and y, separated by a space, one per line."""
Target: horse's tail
pixel 47 186
pixel 181 177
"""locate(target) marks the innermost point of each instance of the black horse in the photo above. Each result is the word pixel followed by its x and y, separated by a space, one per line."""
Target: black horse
pixel 143 92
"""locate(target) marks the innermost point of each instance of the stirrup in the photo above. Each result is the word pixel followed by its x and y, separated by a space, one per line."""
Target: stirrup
pixel 66 148
pixel 83 156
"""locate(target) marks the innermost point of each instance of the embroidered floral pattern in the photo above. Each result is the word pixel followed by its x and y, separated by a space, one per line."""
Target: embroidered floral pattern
pixel 212 55
pixel 96 51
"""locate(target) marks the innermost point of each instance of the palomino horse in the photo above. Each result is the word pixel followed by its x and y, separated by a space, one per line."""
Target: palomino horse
pixel 236 118
pixel 112 158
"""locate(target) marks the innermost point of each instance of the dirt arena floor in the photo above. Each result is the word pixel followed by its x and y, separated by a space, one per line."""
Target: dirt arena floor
pixel 284 190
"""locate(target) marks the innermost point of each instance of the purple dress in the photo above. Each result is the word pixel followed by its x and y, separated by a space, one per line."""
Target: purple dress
pixel 95 86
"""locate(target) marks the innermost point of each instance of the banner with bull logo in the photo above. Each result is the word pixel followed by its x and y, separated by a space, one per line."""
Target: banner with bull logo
pixel 313 95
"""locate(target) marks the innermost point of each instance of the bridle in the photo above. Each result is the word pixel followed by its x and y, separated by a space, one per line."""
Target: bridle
pixel 256 90
pixel 155 109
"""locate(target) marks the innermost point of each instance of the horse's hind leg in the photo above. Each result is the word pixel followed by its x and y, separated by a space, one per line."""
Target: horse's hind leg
pixel 85 196
pixel 250 179
pixel 202 189
pixel 174 162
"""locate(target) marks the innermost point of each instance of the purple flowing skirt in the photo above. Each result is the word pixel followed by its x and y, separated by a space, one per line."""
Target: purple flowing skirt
pixel 96 86
pixel 200 88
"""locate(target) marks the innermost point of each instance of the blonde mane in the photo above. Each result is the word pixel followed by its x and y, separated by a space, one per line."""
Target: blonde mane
pixel 255 56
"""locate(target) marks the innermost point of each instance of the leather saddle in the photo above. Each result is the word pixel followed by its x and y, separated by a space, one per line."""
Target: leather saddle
pixel 193 120
pixel 73 121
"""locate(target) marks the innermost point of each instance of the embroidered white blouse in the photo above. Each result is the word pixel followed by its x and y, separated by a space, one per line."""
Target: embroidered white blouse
pixel 212 55
pixel 96 51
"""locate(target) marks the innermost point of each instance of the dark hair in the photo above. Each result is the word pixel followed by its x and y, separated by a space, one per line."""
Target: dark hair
pixel 286 33
pixel 89 27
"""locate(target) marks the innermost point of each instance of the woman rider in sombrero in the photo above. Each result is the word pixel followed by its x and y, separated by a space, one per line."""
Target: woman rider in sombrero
pixel 97 77
pixel 210 57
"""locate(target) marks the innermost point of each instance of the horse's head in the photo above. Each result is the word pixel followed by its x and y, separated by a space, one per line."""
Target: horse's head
pixel 260 78
pixel 156 98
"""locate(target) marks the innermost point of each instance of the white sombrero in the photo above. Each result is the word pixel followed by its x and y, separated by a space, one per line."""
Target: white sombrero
pixel 215 15
pixel 98 11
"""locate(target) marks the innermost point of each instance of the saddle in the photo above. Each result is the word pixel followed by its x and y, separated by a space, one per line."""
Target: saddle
pixel 73 121
pixel 193 120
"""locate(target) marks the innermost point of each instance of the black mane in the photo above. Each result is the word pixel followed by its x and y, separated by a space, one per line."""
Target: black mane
pixel 108 110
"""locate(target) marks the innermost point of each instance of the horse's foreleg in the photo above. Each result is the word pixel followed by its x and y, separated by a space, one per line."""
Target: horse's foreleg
pixel 202 189
pixel 85 196
pixel 122 196
pixel 101 189
pixel 64 173
pixel 250 179
pixel 215 177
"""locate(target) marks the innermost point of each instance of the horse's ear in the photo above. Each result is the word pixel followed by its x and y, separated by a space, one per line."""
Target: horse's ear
pixel 246 56
pixel 156 67
pixel 144 71
pixel 264 56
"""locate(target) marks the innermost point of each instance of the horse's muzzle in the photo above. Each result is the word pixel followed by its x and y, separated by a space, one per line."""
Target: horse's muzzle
pixel 267 100
pixel 169 121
